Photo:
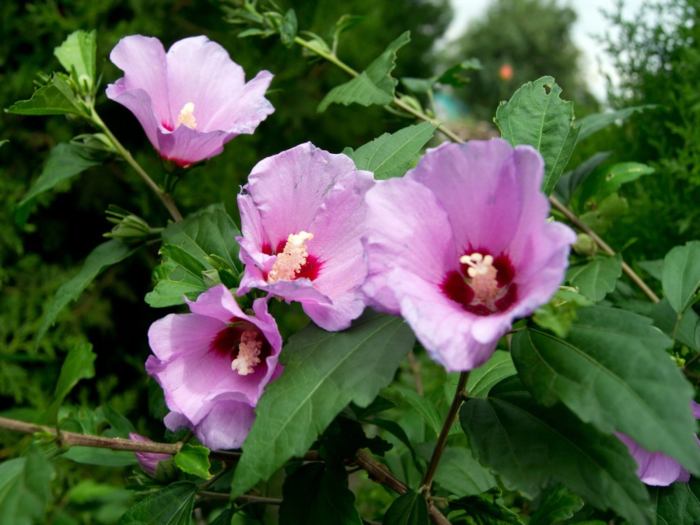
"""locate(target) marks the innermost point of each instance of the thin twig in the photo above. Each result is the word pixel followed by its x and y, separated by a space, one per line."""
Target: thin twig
pixel 457 400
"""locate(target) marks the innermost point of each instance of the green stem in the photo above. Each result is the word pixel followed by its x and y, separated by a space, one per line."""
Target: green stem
pixel 164 197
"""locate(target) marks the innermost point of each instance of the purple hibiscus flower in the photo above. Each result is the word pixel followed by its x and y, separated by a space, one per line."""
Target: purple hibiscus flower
pixel 461 246
pixel 302 217
pixel 148 461
pixel 213 365
pixel 656 468
pixel 192 99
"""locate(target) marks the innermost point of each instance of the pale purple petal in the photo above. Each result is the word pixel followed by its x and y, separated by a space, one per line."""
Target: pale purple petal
pixel 139 103
pixel 244 112
pixel 148 461
pixel 339 314
pixel 185 146
pixel 653 468
pixel 181 334
pixel 218 303
pixel 227 423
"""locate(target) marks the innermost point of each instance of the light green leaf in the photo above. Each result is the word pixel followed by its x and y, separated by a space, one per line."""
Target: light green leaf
pixel 193 459
pixel 65 162
pixel 498 367
pixel 106 254
pixel 316 493
pixel 25 489
pixel 462 475
pixel 79 364
pixel 407 509
pixel 100 456
pixel 596 278
pixel 77 55
pixel 560 312
pixel 556 506
pixel 613 372
pixel 591 124
pixel 324 372
pixel 530 447
pixel 288 28
pixel 535 115
pixel 681 275
pixel 374 85
pixel 608 179
pixel 201 246
pixel 54 98
pixel 405 397
pixel 171 505
pixel 684 329
pixel 392 154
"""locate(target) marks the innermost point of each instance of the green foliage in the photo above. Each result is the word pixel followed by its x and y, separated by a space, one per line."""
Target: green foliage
pixel 392 154
pixel 460 474
pixel 596 278
pixel 556 506
pixel 529 447
pixel 374 85
pixel 605 181
pixel 171 505
pixel 560 312
pixel 595 122
pixel 324 372
pixel 79 364
pixel 678 504
pixel 407 509
pixel 106 254
pixel 482 379
pixel 537 116
pixel 485 509
pixel 197 253
pixel 54 98
pixel 314 493
pixel 613 372
pixel 681 276
pixel 193 459
pixel 77 55
pixel 25 488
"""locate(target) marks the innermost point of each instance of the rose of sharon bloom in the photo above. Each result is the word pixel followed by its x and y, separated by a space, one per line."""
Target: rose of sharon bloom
pixel 302 217
pixel 655 468
pixel 192 99
pixel 213 365
pixel 148 460
pixel 461 246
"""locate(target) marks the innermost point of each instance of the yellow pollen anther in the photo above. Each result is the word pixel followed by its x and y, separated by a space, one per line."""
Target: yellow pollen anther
pixel 482 276
pixel 248 353
pixel 186 116
pixel 292 258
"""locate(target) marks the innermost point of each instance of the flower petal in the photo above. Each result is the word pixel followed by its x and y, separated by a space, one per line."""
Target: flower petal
pixel 178 334
pixel 339 314
pixel 227 423
pixel 139 103
pixel 186 146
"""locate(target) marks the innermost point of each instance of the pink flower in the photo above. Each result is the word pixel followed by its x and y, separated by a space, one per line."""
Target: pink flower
pixel 148 460
pixel 302 216
pixel 656 468
pixel 461 246
pixel 192 99
pixel 213 365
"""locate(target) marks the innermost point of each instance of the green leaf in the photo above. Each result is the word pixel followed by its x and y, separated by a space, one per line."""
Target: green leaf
pixel 79 364
pixel 77 56
pixel 392 154
pixel 679 504
pixel 106 254
pixel 530 447
pixel 606 180
pixel 202 245
pixel 596 278
pixel 570 181
pixel 485 509
pixel 25 489
pixel 407 509
pixel 681 275
pixel 591 124
pixel 65 161
pixel 54 98
pixel 684 329
pixel 374 85
pixel 613 372
pixel 171 505
pixel 314 494
pixel 288 28
pixel 405 397
pixel 193 459
pixel 560 312
pixel 482 379
pixel 557 505
pixel 535 115
pixel 462 475
pixel 100 456
pixel 324 372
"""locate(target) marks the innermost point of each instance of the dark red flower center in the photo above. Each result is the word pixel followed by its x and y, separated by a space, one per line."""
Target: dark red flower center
pixel 482 284
pixel 243 343
pixel 310 269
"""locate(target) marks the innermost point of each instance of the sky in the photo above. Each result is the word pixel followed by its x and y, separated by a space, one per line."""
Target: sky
pixel 590 22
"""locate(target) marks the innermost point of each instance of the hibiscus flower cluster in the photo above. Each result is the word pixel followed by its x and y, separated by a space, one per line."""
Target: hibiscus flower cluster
pixel 460 246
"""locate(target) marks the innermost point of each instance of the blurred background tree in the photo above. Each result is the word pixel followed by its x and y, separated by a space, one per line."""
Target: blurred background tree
pixel 517 41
